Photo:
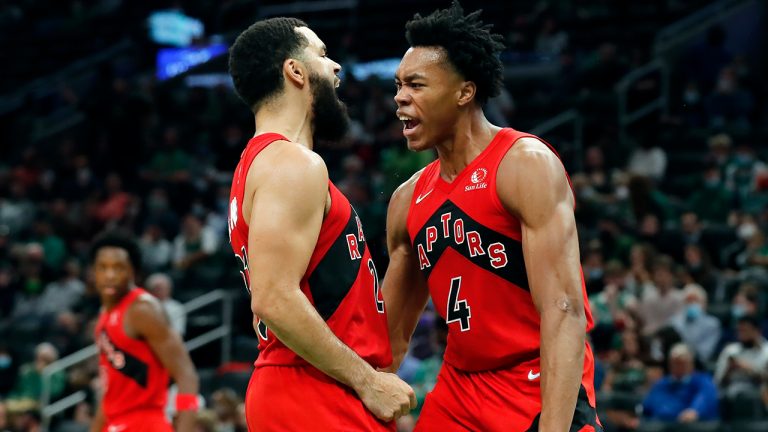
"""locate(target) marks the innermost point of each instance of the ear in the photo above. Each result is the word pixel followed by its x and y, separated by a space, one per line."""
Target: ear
pixel 295 72
pixel 467 93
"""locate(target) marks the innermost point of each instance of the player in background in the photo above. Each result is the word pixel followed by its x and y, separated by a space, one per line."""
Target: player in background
pixel 138 349
pixel 314 289
pixel 488 231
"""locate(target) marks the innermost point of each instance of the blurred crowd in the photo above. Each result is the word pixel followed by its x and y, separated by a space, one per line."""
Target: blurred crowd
pixel 672 222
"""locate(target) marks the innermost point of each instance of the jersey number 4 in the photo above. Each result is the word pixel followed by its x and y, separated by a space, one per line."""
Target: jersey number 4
pixel 458 310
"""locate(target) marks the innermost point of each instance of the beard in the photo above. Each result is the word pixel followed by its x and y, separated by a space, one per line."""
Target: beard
pixel 331 121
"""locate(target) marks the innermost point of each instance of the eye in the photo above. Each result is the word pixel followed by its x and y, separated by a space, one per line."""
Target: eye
pixel 398 86
pixel 416 85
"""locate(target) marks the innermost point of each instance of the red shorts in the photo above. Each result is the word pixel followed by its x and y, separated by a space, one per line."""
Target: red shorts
pixel 301 398
pixel 507 400
pixel 139 421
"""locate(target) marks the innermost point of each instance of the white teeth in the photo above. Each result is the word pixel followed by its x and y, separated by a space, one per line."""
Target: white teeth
pixel 404 118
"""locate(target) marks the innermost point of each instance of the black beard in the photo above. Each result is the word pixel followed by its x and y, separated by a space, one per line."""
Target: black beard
pixel 331 121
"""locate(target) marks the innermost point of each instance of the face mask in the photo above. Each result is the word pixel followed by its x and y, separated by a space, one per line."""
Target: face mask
pixel 5 361
pixel 737 311
pixel 596 273
pixel 746 231
pixel 712 182
pixel 693 311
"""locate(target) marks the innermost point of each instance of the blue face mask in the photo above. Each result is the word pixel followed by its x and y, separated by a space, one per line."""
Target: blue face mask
pixel 693 311
pixel 5 361
pixel 737 311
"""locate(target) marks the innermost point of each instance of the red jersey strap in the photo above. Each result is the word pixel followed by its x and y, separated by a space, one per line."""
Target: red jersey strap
pixel 128 299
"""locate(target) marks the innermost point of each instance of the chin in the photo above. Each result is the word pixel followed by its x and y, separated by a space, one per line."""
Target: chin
pixel 418 145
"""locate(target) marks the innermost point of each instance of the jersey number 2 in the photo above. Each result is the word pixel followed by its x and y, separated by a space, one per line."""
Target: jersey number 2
pixel 458 310
pixel 376 287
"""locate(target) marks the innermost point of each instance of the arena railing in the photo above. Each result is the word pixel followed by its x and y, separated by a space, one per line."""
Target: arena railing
pixel 623 87
pixel 682 31
pixel 49 409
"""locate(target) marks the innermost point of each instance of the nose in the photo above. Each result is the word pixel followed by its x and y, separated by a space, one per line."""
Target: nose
pixel 336 67
pixel 401 96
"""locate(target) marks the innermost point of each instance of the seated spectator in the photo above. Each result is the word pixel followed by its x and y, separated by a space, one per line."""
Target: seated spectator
pixel 684 395
pixel 194 247
pixel 156 250
pixel 612 304
pixel 161 286
pixel 627 373
pixel 29 384
pixel 648 160
pixel 712 202
pixel 699 330
pixel 741 365
pixel 62 294
pixel 661 299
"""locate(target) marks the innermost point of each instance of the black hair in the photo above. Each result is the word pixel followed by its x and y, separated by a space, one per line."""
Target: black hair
pixel 470 46
pixel 119 240
pixel 256 58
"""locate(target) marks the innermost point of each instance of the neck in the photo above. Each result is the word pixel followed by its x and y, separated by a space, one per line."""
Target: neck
pixel 469 137
pixel 288 118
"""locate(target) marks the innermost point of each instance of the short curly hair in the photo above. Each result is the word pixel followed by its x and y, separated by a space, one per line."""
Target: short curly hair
pixel 256 58
pixel 120 240
pixel 471 47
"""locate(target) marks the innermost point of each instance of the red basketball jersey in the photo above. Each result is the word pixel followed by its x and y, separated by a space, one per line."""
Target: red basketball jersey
pixel 132 376
pixel 470 252
pixel 341 280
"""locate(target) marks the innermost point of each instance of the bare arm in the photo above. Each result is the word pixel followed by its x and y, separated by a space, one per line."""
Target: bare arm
pixel 287 213
pixel 532 185
pixel 146 319
pixel 404 288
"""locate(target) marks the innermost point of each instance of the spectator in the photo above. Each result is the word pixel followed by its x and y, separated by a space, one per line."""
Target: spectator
pixel 61 295
pixel 684 395
pixel 156 250
pixel 193 249
pixel 648 160
pixel 698 329
pixel 661 299
pixel 613 303
pixel 741 365
pixel 29 384
pixel 627 372
pixel 161 286
pixel 712 202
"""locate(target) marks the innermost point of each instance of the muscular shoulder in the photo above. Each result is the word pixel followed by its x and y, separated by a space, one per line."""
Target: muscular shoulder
pixel 401 198
pixel 144 313
pixel 397 213
pixel 286 161
pixel 532 179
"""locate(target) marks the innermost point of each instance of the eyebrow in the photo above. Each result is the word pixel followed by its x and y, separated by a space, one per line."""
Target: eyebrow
pixel 411 77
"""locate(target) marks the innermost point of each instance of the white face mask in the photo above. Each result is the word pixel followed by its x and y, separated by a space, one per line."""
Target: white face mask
pixel 746 230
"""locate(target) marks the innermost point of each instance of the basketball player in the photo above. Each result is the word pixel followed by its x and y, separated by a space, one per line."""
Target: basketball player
pixel 318 310
pixel 488 230
pixel 138 349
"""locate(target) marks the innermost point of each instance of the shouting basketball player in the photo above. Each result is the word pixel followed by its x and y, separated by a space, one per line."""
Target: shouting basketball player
pixel 488 230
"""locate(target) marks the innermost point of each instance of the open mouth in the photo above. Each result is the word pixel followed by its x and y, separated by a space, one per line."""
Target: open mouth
pixel 409 123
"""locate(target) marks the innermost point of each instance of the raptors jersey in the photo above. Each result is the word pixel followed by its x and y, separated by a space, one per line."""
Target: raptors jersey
pixel 132 376
pixel 470 251
pixel 341 280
